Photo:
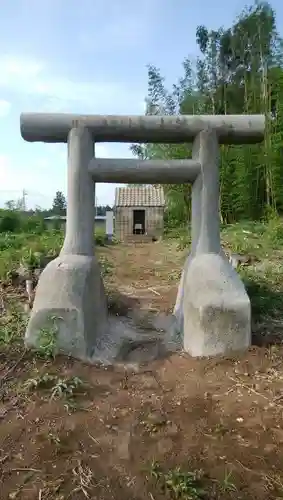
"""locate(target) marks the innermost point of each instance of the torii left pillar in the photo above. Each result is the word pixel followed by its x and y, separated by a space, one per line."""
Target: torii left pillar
pixel 70 292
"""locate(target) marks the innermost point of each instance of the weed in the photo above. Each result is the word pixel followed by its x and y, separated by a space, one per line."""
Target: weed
pixel 83 479
pixel 7 335
pixel 66 387
pixel 40 382
pixel 274 232
pixel 274 484
pixel 176 232
pixel 100 240
pixel 47 340
pixel 25 248
pixel 71 406
pixel 54 439
pixel 12 326
pixel 59 388
pixel 221 430
pixel 31 260
pixel 184 242
pixel 266 298
pixel 106 266
pixel 180 485
pixel 227 486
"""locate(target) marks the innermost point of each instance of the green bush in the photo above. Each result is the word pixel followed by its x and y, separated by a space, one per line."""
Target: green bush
pixel 9 241
pixel 100 239
pixel 33 224
pixel 10 221
pixel 274 231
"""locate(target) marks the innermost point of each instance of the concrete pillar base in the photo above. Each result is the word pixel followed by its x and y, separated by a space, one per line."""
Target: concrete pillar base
pixel 70 301
pixel 216 307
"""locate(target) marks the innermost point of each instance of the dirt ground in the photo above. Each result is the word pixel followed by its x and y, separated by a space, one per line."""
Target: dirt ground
pixel 179 428
pixel 145 275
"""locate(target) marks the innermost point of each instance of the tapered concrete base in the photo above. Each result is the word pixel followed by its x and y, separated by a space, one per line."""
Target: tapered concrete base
pixel 70 301
pixel 217 311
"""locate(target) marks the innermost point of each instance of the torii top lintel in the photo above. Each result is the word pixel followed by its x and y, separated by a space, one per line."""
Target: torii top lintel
pixel 230 129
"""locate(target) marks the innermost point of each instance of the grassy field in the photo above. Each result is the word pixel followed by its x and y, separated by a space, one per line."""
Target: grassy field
pixel 180 428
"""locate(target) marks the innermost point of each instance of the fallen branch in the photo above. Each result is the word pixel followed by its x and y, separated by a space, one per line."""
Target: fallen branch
pixel 154 291
pixel 244 386
pixel 24 469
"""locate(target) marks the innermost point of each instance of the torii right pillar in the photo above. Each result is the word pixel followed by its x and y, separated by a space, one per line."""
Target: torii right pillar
pixel 213 309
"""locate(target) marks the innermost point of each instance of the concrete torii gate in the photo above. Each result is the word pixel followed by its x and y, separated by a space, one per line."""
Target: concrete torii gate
pixel 212 308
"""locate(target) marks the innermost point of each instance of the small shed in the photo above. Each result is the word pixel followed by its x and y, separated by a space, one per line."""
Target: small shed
pixel 139 210
pixel 55 221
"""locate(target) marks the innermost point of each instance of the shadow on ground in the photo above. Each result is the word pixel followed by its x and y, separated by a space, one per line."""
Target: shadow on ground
pixel 266 303
pixel 122 305
pixel 267 307
pixel 142 335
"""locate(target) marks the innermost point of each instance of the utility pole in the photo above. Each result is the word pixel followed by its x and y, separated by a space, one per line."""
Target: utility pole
pixel 24 200
pixel 95 203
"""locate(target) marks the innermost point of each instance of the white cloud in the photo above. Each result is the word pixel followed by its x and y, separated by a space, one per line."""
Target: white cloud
pixel 41 88
pixel 34 78
pixel 13 68
pixel 5 107
pixel 44 166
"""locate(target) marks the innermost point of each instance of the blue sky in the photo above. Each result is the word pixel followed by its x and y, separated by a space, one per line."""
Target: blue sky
pixel 87 57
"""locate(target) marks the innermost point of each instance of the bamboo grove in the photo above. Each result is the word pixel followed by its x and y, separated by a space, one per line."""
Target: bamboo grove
pixel 239 70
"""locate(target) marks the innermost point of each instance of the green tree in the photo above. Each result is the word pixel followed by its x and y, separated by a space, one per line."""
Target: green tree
pixel 10 221
pixel 59 204
pixel 239 71
pixel 14 205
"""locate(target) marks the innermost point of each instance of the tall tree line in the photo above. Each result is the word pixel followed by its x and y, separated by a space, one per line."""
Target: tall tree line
pixel 240 71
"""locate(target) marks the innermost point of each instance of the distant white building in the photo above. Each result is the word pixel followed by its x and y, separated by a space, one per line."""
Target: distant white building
pixel 105 222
